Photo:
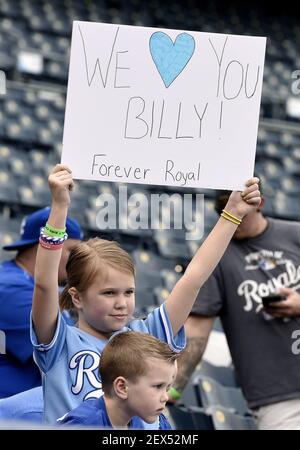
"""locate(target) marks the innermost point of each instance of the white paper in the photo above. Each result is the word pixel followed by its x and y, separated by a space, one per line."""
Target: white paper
pixel 164 107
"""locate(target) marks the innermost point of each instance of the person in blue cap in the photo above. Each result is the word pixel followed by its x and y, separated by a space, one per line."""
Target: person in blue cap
pixel 18 371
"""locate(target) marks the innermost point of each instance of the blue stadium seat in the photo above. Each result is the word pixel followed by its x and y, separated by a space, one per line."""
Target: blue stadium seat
pixel 169 247
pixel 145 300
pixel 161 294
pixel 8 188
pixel 213 393
pixel 223 419
pixel 189 418
pixel 223 375
pixel 169 278
pixel 291 165
pixel 291 185
pixel 287 207
pixel 146 260
pixel 190 395
pixel 147 279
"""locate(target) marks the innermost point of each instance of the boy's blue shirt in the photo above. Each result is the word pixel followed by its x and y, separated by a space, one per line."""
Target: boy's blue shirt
pixel 93 413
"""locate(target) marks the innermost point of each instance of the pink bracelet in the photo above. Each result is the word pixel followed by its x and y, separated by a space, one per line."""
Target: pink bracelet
pixel 50 246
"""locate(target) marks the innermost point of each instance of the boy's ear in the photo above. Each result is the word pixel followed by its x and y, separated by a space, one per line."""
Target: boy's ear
pixel 76 299
pixel 121 388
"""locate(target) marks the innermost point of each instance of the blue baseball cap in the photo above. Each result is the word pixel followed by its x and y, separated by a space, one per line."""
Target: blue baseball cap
pixel 32 224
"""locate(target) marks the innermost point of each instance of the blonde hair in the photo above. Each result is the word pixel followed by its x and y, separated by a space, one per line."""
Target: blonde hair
pixel 85 262
pixel 124 355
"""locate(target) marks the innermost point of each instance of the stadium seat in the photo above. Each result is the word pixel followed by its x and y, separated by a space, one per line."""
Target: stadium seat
pixel 147 279
pixel 161 294
pixel 223 419
pixel 291 165
pixel 286 207
pixel 171 248
pixel 145 301
pixel 290 185
pixel 221 374
pixel 213 393
pixel 169 278
pixel 30 196
pixel 8 189
pixel 149 261
pixel 189 418
pixel 190 395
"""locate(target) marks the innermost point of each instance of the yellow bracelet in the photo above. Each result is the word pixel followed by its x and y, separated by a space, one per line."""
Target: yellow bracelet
pixel 232 216
pixel 230 219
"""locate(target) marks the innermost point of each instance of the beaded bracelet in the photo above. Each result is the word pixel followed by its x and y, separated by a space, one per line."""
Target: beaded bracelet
pixel 50 242
pixel 50 246
pixel 53 240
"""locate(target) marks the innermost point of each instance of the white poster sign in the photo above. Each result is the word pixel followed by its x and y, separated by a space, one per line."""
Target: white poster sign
pixel 163 107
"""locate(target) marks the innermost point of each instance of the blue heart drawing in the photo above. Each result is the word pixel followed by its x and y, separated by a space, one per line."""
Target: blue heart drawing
pixel 171 58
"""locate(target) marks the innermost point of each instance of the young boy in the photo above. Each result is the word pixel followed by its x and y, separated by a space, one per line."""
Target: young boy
pixel 137 370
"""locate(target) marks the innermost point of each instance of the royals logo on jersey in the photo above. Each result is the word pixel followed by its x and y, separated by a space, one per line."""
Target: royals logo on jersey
pixel 86 366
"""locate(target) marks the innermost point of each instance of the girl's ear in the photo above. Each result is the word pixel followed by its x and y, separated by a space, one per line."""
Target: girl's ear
pixel 76 297
pixel 120 387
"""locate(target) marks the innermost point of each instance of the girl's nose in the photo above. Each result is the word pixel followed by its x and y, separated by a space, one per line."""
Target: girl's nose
pixel 121 301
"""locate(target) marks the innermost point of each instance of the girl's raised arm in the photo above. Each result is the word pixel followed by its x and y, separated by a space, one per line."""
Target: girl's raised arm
pixel 184 293
pixel 45 297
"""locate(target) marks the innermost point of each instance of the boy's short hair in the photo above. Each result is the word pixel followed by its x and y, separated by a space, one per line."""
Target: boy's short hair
pixel 125 354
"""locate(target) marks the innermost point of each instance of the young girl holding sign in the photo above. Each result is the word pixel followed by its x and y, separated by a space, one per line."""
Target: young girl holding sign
pixel 100 290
